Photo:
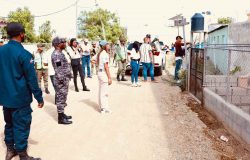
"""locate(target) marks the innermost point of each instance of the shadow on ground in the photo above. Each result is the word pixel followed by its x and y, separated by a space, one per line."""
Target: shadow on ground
pixel 92 104
pixel 51 110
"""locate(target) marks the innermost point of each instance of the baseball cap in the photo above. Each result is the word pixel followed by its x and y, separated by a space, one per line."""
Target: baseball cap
pixel 103 42
pixel 14 29
pixel 178 37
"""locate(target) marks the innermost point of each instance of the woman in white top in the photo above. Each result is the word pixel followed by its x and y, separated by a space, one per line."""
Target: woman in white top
pixel 103 76
pixel 75 56
pixel 135 63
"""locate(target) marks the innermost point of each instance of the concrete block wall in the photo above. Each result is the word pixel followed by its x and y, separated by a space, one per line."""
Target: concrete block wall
pixel 220 80
pixel 233 117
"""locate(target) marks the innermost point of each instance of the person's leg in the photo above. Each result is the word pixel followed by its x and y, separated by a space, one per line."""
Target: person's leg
pixel 39 77
pixel 84 87
pixel 88 65
pixel 137 66
pixel 119 70
pixel 61 97
pixel 8 129
pixel 132 64
pixel 21 126
pixel 151 71
pixel 45 81
pixel 104 96
pixel 75 70
pixel 177 68
pixel 144 72
pixel 83 65
pixel 123 70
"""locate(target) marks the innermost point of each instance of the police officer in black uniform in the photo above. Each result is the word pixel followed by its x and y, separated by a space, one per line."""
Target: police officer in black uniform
pixel 18 81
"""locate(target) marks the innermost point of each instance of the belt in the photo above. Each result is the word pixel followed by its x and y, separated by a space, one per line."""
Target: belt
pixel 135 59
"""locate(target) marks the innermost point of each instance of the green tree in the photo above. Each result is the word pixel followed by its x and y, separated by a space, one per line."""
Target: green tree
pixel 225 20
pixel 45 32
pixel 24 17
pixel 100 24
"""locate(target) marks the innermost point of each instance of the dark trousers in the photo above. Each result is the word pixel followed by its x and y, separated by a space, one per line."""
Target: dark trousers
pixel 78 69
pixel 17 127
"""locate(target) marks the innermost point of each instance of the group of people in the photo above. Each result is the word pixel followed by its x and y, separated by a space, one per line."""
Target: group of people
pixel 22 72
pixel 20 79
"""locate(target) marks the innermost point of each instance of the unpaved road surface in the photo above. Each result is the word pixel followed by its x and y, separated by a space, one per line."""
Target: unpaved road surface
pixel 151 122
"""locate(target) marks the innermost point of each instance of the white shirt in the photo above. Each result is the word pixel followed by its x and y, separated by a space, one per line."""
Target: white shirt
pixel 103 58
pixel 73 52
pixel 50 67
pixel 86 49
pixel 134 54
pixel 145 50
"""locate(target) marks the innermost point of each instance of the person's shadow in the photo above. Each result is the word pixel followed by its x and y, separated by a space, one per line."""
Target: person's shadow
pixel 51 110
pixel 50 98
pixel 92 104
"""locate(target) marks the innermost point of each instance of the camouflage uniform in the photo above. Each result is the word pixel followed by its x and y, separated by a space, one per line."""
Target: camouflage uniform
pixel 62 78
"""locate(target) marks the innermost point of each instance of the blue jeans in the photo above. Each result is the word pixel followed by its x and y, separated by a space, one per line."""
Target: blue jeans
pixel 178 64
pixel 146 67
pixel 86 62
pixel 135 70
pixel 17 127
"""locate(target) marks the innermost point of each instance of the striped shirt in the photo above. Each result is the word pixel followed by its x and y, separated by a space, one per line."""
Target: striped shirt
pixel 145 50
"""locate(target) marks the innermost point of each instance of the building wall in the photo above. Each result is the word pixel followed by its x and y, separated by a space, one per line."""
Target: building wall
pixel 239 34
pixel 218 57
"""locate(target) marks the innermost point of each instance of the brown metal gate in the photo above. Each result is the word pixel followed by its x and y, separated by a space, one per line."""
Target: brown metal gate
pixel 196 72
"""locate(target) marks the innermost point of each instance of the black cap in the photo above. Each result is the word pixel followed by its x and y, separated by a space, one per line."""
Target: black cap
pixel 14 29
pixel 148 36
pixel 178 37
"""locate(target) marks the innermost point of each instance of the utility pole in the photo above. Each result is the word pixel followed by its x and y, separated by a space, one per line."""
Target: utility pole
pixel 76 19
pixel 103 29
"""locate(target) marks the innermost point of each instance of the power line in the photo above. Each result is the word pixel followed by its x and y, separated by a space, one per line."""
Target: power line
pixel 64 9
pixel 56 12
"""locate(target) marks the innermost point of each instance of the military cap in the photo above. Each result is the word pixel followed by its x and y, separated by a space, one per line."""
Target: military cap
pixel 14 29
pixel 57 40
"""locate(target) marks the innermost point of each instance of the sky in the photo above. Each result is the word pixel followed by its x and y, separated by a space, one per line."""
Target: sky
pixel 140 17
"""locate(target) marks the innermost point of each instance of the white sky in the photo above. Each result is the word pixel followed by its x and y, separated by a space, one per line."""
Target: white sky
pixel 139 16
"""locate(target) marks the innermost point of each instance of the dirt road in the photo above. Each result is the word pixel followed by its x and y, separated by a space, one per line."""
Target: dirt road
pixel 150 122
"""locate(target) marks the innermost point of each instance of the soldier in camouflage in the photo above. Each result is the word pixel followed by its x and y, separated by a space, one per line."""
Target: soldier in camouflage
pixel 62 78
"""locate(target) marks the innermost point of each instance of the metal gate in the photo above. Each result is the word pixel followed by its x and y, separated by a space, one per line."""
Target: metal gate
pixel 196 72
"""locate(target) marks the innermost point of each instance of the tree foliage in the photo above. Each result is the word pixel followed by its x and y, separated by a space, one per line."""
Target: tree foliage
pixel 45 33
pixel 24 17
pixel 100 24
pixel 225 20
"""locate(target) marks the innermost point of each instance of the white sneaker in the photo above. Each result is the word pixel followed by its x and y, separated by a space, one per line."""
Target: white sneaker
pixel 103 111
pixel 138 84
pixel 178 81
pixel 133 85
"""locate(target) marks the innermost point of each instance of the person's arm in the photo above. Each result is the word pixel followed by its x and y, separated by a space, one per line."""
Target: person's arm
pixel 31 78
pixel 106 67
